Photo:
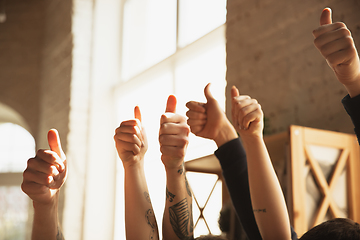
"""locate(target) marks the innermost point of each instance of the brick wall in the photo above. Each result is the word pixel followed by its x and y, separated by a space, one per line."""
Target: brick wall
pixel 271 57
pixel 20 44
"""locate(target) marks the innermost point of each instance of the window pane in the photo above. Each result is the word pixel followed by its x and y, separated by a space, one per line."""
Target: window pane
pixel 149 34
pixel 13 213
pixel 16 147
pixel 198 17
pixel 191 78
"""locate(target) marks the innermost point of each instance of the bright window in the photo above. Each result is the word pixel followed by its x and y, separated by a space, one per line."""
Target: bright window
pixel 16 147
pixel 169 47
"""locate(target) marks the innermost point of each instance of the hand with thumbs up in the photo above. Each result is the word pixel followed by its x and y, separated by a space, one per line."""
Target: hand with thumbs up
pixel 173 136
pixel 335 43
pixel 247 115
pixel 208 120
pixel 46 172
pixel 130 140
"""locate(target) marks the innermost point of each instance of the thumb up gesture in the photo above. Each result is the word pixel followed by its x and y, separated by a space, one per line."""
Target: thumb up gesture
pixel 130 140
pixel 173 136
pixel 46 172
pixel 335 43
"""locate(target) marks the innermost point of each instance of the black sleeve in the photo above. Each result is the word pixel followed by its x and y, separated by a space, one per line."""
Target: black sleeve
pixel 352 107
pixel 232 158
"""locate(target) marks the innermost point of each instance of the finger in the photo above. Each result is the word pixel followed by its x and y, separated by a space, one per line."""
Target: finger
pixel 38 165
pixel 207 93
pixel 32 188
pixel 37 177
pixel 129 147
pixel 173 140
pixel 234 92
pixel 241 108
pixel 254 115
pixel 171 104
pixel 129 138
pixel 325 17
pixel 336 46
pixel 171 117
pixel 174 129
pixel 137 113
pixel 51 157
pixel 328 37
pixel 196 106
pixel 196 115
pixel 55 144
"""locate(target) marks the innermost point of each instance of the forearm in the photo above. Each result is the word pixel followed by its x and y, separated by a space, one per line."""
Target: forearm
pixel 354 87
pixel 266 195
pixel 140 222
pixel 178 219
pixel 46 225
pixel 232 159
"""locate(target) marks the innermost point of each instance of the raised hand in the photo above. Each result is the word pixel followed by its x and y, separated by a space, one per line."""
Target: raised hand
pixel 247 115
pixel 46 172
pixel 130 140
pixel 335 43
pixel 173 136
pixel 208 120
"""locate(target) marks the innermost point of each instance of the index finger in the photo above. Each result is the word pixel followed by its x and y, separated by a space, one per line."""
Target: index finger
pixel 196 106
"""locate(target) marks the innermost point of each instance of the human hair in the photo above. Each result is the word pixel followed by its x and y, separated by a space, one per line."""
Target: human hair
pixel 210 237
pixel 334 229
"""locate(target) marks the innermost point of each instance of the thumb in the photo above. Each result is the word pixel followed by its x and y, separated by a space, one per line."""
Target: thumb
pixel 207 92
pixel 325 17
pixel 234 92
pixel 137 113
pixel 171 104
pixel 55 144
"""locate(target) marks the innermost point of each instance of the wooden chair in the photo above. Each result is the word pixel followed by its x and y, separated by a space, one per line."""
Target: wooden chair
pixel 302 156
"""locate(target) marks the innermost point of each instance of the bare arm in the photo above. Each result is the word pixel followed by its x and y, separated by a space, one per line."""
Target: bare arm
pixel 42 179
pixel 131 145
pixel 266 195
pixel 173 138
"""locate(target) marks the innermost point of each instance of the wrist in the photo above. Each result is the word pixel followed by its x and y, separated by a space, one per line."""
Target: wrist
pixel 354 87
pixel 225 135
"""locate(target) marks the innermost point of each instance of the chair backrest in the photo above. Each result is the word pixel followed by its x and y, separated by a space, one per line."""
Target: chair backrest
pixel 326 163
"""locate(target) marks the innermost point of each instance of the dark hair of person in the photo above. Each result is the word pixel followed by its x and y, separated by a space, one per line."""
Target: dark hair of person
pixel 334 229
pixel 210 237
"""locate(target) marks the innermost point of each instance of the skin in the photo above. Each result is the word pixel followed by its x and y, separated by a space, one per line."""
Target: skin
pixel 266 195
pixel 336 45
pixel 209 121
pixel 42 180
pixel 131 144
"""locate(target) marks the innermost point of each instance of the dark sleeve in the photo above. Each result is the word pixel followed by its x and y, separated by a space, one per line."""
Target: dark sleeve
pixel 232 158
pixel 352 107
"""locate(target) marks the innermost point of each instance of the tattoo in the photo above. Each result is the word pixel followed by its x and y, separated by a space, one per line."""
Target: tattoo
pixel 260 210
pixel 147 197
pixel 59 235
pixel 169 195
pixel 181 220
pixel 151 221
pixel 187 187
pixel 181 170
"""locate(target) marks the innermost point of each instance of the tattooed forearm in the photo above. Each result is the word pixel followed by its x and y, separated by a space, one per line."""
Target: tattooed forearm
pixel 151 221
pixel 260 210
pixel 59 235
pixel 181 220
pixel 169 195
